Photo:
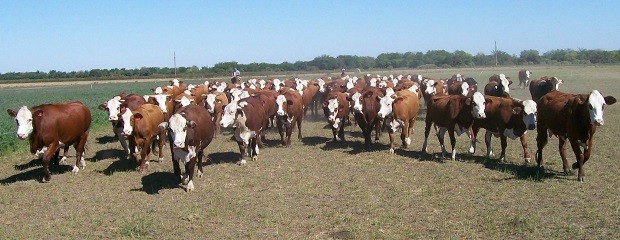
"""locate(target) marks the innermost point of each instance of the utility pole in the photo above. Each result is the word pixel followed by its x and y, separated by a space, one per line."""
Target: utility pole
pixel 175 64
pixel 496 53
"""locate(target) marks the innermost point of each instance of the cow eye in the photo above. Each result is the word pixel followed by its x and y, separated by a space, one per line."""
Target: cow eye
pixel 590 106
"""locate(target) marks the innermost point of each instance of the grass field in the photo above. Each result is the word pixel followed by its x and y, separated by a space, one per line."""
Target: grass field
pixel 316 189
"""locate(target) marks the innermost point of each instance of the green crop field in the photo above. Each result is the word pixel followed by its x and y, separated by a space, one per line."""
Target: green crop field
pixel 316 189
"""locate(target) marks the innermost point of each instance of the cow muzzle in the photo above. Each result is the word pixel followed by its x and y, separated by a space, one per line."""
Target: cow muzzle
pixel 22 136
pixel 599 122
pixel 179 144
pixel 113 118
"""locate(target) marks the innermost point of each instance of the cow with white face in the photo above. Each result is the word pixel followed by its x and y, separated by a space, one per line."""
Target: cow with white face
pixel 249 118
pixel 290 113
pixel 114 107
pixel 336 109
pixel 142 127
pixel 190 132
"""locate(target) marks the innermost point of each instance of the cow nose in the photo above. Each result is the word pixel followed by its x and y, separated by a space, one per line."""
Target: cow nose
pixel 179 144
pixel 482 115
pixel 22 136
pixel 599 122
pixel 380 115
pixel 280 113
pixel 113 118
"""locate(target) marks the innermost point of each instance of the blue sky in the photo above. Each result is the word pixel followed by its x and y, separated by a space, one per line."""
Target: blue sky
pixel 82 35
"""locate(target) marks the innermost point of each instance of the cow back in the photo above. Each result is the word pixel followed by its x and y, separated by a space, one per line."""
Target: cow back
pixel 147 126
pixel 406 105
pixel 61 122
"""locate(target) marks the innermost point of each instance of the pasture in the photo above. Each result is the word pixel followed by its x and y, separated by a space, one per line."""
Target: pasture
pixel 316 189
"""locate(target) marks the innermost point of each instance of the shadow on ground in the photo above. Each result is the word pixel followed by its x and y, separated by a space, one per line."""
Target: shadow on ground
pixel 36 173
pixel 157 181
pixel 107 154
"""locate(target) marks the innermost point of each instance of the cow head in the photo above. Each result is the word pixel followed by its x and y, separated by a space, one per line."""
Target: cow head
pixel 282 104
pixel 529 117
pixel 113 106
pixel 333 108
pixel 25 121
pixel 596 105
pixel 478 102
pixel 385 104
pixel 431 87
pixel 230 114
pixel 321 85
pixel 277 84
pixel 181 130
pixel 130 121
pixel 160 100
pixel 464 88
pixel 210 102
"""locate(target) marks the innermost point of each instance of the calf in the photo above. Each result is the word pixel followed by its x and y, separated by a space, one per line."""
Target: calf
pixel 290 113
pixel 450 112
pixel 403 107
pixel 544 85
pixel 249 118
pixel 142 127
pixel 190 132
pixel 49 127
pixel 524 78
pixel 574 117
pixel 114 107
pixel 506 117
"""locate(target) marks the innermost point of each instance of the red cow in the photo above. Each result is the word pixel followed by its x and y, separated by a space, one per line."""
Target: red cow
pixel 366 117
pixel 336 109
pixel 290 113
pixel 249 118
pixel 114 107
pixel 402 108
pixel 50 127
pixel 142 128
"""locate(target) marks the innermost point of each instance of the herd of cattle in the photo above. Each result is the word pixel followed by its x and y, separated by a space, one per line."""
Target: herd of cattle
pixel 188 117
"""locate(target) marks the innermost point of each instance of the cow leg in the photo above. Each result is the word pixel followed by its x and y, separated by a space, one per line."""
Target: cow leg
pixel 144 154
pixel 132 148
pixel 580 158
pixel 427 130
pixel 280 126
pixel 541 141
pixel 378 125
pixel 189 169
pixel 55 158
pixel 472 141
pixel 440 136
pixel 199 156
pixel 335 132
pixel 289 132
pixel 526 153
pixel 64 155
pixel 218 118
pixel 452 142
pixel 253 149
pixel 391 135
pixel 341 132
pixel 502 139
pixel 488 136
pixel 176 166
pixel 242 150
pixel 562 150
pixel 118 132
pixel 160 144
pixel 299 121
pixel 79 153
pixel 404 135
pixel 51 150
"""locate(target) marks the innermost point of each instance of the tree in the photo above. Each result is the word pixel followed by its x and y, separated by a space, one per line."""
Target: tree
pixel 529 56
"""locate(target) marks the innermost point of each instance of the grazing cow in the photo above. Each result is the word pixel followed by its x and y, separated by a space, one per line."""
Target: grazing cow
pixel 249 118
pixel 506 117
pixel 544 85
pixel 215 103
pixel 450 112
pixel 50 127
pixel 142 127
pixel 190 132
pixel 574 117
pixel 290 113
pixel 403 107
pixel 336 109
pixel 366 113
pixel 114 107
pixel 498 86
pixel 524 78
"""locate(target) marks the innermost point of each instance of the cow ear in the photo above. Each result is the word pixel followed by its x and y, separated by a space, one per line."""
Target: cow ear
pixel 289 102
pixel 609 100
pixel 138 116
pixel 398 99
pixel 102 107
pixel 516 110
pixel 123 109
pixel 38 113
pixel 11 112
pixel 191 124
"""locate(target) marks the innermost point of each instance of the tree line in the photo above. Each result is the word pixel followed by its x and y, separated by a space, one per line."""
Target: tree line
pixel 430 59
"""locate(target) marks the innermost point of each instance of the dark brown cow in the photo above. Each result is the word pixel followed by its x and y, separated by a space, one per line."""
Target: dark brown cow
pixel 142 128
pixel 114 107
pixel 450 112
pixel 308 95
pixel 366 114
pixel 249 118
pixel 190 132
pixel 336 109
pixel 524 78
pixel 402 109
pixel 544 85
pixel 506 117
pixel 499 85
pixel 50 127
pixel 290 113
pixel 574 117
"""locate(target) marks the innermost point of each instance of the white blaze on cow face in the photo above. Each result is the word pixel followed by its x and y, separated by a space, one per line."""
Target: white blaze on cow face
pixel 321 85
pixel 332 107
pixel 527 75
pixel 221 87
pixel 383 84
pixel 185 101
pixel 385 108
pixel 529 107
pixel 228 118
pixel 158 90
pixel 464 88
pixel 596 104
pixel 373 82
pixel 127 127
pixel 114 108
pixel 178 126
pixel 357 103
pixel 389 92
pixel 262 84
pixel 350 84
pixel 504 82
pixel 413 89
pixel 430 87
pixel 210 102
pixel 175 82
pixel 478 105
pixel 276 84
pixel 280 101
pixel 300 87
pixel 161 101
pixel 24 123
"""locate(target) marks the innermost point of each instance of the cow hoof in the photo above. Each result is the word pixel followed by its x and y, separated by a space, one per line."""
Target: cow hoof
pixel 581 179
pixel 82 164
pixel 46 179
pixel 199 174
pixel 75 170
pixel 528 160
pixel 391 151
pixel 241 163
pixel 62 160
pixel 254 158
pixel 189 187
pixel 185 180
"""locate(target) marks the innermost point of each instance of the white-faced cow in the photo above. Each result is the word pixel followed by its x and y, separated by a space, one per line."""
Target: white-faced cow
pixel 190 132
pixel 524 78
pixel 499 85
pixel 544 85
pixel 114 107
pixel 290 113
pixel 49 127
pixel 142 127
pixel 402 108
pixel 574 117
pixel 249 118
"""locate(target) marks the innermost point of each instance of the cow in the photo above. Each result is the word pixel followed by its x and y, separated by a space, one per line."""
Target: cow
pixel 269 98
pixel 142 127
pixel 336 109
pixel 544 85
pixel 450 112
pixel 499 85
pixel 366 113
pixel 506 117
pixel 308 94
pixel 190 131
pixel 524 78
pixel 249 118
pixel 574 117
pixel 215 103
pixel 163 101
pixel 114 107
pixel 430 88
pixel 49 127
pixel 290 113
pixel 403 107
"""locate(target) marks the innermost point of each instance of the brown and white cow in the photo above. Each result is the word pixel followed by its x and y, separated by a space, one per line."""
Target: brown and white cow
pixel 248 117
pixel 190 132
pixel 49 127
pixel 574 117
pixel 164 102
pixel 336 108
pixel 506 118
pixel 402 109
pixel 524 78
pixel 114 107
pixel 449 113
pixel 544 85
pixel 215 103
pixel 366 109
pixel 290 113
pixel 142 127
pixel 430 88
pixel 499 85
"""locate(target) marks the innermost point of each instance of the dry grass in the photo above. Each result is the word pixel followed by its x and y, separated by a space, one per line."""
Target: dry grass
pixel 319 189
